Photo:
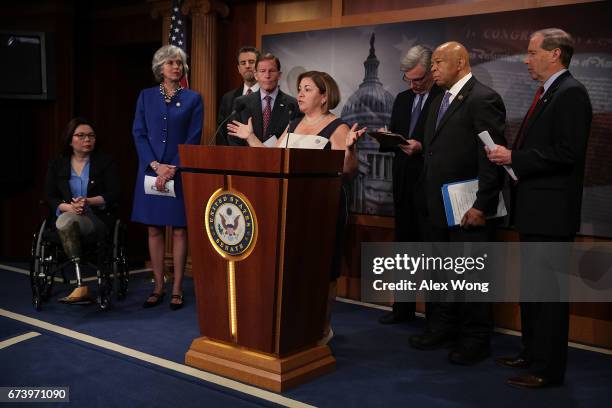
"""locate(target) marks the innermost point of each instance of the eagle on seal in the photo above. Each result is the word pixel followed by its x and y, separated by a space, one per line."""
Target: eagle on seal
pixel 232 227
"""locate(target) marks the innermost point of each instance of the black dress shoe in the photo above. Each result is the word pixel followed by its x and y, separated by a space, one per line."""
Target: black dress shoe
pixel 513 362
pixel 157 299
pixel 177 305
pixel 469 355
pixel 431 340
pixel 531 381
pixel 393 318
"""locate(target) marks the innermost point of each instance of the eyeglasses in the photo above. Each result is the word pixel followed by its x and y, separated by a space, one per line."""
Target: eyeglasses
pixel 409 81
pixel 82 136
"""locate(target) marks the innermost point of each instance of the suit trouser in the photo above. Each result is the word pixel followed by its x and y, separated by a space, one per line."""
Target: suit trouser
pixel 545 328
pixel 470 322
pixel 406 230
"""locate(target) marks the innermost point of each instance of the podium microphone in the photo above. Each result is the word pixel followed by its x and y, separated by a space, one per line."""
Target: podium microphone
pixel 290 109
pixel 239 108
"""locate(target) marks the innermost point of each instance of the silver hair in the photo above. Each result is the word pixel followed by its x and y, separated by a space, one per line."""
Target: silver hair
pixel 416 55
pixel 556 38
pixel 162 55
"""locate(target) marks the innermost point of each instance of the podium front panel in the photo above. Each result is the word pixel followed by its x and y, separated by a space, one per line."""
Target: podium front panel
pixel 272 299
pixel 309 241
pixel 255 275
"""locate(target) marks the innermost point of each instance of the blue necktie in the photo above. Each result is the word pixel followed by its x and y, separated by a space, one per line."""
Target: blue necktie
pixel 443 107
pixel 414 116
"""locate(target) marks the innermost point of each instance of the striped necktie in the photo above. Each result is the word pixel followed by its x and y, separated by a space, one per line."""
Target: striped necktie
pixel 443 107
pixel 267 114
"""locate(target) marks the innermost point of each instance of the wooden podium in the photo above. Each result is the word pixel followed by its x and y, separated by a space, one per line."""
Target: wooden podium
pixel 262 225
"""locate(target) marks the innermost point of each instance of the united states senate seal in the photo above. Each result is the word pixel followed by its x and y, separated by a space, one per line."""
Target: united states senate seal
pixel 231 224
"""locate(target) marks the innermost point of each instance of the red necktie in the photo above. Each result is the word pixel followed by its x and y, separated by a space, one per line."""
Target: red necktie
pixel 520 135
pixel 267 114
pixel 249 91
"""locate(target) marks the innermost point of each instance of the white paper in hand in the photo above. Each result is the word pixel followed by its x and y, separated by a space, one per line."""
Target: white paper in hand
pixel 150 188
pixel 460 196
pixel 488 141
pixel 271 142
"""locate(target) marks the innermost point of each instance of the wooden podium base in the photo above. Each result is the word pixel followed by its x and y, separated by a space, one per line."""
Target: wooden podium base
pixel 261 370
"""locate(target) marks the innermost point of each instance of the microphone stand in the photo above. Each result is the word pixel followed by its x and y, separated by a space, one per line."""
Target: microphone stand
pixel 238 109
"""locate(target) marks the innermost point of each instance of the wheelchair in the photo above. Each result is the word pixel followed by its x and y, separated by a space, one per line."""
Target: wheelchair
pixel 48 259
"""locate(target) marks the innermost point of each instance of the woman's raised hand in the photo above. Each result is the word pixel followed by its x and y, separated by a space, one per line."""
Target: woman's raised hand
pixel 240 130
pixel 353 135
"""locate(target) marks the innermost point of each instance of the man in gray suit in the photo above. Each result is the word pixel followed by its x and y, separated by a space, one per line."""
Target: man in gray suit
pixel 410 110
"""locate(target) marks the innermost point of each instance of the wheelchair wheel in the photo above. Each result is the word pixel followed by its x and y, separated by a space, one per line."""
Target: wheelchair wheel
pixel 105 289
pixel 41 280
pixel 36 299
pixel 104 301
pixel 119 263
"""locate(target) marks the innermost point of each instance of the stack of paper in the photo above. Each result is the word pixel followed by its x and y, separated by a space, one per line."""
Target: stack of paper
pixel 459 197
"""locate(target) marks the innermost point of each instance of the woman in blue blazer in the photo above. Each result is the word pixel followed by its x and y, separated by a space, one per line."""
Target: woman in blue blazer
pixel 166 116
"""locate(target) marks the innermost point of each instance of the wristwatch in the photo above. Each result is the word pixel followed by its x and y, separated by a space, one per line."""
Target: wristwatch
pixel 154 165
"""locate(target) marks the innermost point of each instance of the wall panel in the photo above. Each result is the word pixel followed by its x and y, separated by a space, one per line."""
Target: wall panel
pixel 590 323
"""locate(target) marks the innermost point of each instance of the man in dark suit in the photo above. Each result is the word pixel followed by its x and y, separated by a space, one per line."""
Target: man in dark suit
pixel 452 152
pixel 266 112
pixel 408 119
pixel 548 158
pixel 247 57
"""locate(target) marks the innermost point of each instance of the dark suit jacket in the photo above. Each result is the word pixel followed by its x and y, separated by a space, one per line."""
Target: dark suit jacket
pixel 453 152
pixel 103 181
pixel 225 108
pixel 407 169
pixel 284 110
pixel 550 162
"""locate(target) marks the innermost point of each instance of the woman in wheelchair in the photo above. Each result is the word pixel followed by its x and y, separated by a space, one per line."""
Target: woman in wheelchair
pixel 82 189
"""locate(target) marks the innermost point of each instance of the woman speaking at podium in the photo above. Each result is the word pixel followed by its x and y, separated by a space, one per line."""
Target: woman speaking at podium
pixel 318 93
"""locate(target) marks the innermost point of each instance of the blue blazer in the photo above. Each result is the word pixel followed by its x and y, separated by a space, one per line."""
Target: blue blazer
pixel 159 128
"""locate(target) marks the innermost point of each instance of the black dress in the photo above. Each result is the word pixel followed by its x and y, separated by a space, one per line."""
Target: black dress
pixel 326 132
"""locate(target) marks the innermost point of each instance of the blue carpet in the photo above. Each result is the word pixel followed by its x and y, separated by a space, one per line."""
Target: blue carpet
pixel 11 328
pixel 375 365
pixel 99 378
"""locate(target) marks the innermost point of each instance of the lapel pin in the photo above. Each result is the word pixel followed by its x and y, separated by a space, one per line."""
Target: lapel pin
pixel 281 105
pixel 460 97
pixel 178 104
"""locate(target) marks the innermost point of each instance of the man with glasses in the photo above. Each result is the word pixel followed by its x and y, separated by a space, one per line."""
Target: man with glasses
pixel 247 56
pixel 408 119
pixel 269 110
